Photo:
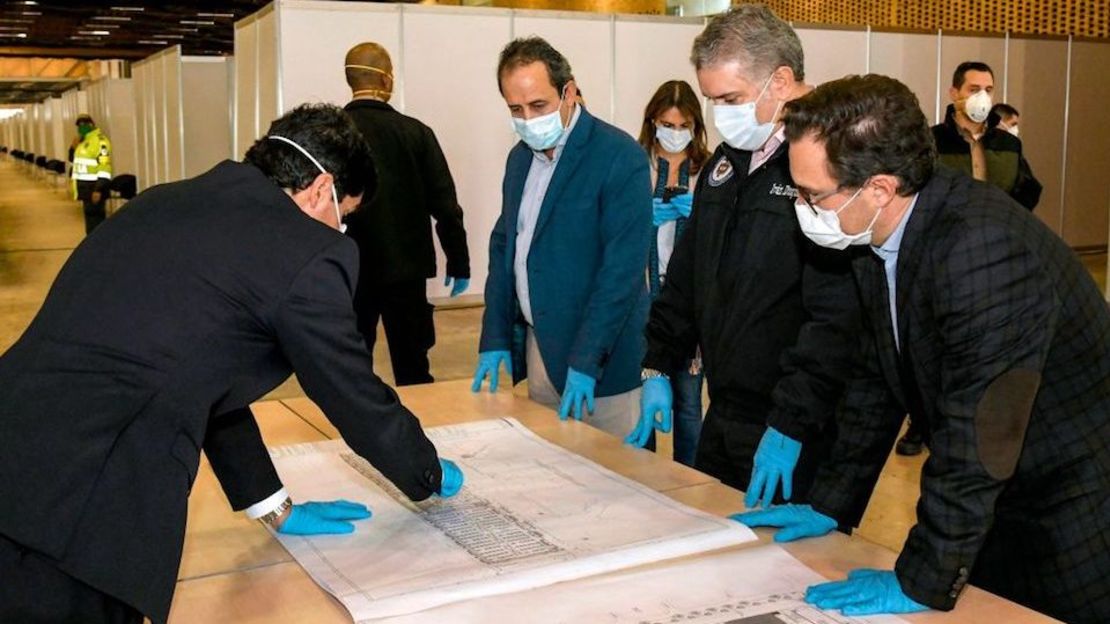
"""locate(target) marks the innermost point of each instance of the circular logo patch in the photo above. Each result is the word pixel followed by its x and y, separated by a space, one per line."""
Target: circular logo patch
pixel 722 171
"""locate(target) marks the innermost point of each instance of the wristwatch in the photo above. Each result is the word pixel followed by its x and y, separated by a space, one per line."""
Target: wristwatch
pixel 651 373
pixel 272 517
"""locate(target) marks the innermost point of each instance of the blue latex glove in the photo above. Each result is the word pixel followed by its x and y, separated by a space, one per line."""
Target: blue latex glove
pixel 461 284
pixel 774 459
pixel 656 398
pixel 683 203
pixel 332 517
pixel 579 389
pixel 796 521
pixel 452 480
pixel 661 212
pixel 489 363
pixel 865 592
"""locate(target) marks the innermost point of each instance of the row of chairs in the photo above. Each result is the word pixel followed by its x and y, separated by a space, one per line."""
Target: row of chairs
pixel 122 187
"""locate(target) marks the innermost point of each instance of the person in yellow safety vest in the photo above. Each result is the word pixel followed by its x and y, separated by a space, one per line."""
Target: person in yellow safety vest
pixel 92 170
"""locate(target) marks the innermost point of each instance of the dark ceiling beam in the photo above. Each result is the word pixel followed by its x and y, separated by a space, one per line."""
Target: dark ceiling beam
pixel 83 53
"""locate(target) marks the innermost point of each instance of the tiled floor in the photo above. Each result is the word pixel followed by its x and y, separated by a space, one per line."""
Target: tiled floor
pixel 39 227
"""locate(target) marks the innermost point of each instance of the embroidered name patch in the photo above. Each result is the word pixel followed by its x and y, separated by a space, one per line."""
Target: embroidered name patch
pixel 722 171
pixel 784 190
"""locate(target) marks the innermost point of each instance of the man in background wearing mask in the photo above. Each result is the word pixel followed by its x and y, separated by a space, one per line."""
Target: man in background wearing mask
pixel 986 328
pixel 1005 117
pixel 566 297
pixel 968 143
pixel 773 313
pixel 92 170
pixel 393 227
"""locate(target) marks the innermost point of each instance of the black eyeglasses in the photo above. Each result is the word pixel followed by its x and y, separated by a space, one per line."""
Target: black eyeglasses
pixel 810 199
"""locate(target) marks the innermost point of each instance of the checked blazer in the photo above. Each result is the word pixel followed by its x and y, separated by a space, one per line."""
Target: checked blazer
pixel 1006 360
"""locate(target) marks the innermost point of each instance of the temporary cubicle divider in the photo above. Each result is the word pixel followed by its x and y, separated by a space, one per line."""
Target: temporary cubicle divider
pixel 445 61
pixel 182 115
pixel 112 106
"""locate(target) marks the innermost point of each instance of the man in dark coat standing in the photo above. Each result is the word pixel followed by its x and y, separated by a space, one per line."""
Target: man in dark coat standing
pixel 160 330
pixel 393 228
pixel 984 326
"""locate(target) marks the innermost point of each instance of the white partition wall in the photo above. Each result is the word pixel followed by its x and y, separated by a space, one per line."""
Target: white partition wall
pixel 182 111
pixel 206 112
pixel 445 60
pixel 112 106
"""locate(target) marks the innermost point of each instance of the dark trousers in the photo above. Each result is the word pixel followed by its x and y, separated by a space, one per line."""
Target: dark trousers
pixel 33 591
pixel 726 450
pixel 94 211
pixel 407 316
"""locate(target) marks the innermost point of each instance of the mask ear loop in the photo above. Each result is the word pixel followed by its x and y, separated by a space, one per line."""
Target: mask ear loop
pixel 380 93
pixel 334 193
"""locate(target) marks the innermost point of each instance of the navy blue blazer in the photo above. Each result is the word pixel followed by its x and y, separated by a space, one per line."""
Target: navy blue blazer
pixel 587 264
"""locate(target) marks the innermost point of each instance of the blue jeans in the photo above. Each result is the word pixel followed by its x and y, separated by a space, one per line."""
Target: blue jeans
pixel 686 389
pixel 687 415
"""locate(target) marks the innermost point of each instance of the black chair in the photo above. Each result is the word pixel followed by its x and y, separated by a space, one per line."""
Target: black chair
pixel 122 188
pixel 57 169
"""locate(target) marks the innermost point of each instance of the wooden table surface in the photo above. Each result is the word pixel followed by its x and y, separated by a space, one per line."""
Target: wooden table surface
pixel 233 571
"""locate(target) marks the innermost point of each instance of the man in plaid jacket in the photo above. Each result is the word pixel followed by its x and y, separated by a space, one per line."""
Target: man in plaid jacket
pixel 982 324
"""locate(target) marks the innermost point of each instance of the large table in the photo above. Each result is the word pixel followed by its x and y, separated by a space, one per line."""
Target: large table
pixel 233 570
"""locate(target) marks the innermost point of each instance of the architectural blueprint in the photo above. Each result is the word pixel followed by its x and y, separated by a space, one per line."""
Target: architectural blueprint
pixel 758 585
pixel 531 514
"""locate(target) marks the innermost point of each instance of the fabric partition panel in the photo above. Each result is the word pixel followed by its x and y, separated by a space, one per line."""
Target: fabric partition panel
pixel 112 105
pixel 472 123
pixel 58 143
pixel 1037 85
pixel 174 130
pixel 245 96
pixel 911 59
pixel 204 106
pixel 311 69
pixel 650 51
pixel 269 73
pixel 832 53
pixel 584 39
pixel 1086 186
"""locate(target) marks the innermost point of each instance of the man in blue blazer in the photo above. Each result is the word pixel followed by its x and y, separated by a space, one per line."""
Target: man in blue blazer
pixel 566 297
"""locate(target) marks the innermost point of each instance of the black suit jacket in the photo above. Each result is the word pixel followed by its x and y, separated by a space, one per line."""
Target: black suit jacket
pixel 1005 357
pixel 160 330
pixel 393 229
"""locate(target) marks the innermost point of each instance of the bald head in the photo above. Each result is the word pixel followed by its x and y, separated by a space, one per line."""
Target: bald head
pixel 378 79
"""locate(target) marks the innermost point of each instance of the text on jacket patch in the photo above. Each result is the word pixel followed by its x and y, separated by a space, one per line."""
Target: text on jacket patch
pixel 783 190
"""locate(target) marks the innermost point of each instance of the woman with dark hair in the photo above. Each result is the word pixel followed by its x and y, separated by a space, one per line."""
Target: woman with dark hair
pixel 673 134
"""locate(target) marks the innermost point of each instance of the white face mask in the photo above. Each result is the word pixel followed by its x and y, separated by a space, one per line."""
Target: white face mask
pixel 824 228
pixel 738 125
pixel 1013 130
pixel 543 132
pixel 672 140
pixel 334 196
pixel 978 106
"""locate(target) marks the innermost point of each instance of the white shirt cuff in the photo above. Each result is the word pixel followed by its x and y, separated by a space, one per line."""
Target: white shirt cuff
pixel 266 505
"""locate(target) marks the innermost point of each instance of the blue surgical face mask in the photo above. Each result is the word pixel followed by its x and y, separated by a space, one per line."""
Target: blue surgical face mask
pixel 334 195
pixel 543 132
pixel 738 125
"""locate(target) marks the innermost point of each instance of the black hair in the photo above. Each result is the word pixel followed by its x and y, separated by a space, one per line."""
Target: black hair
pixel 528 50
pixel 960 74
pixel 1004 110
pixel 869 125
pixel 326 132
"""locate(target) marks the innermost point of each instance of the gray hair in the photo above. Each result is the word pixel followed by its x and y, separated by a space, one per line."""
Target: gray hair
pixel 753 35
pixel 528 50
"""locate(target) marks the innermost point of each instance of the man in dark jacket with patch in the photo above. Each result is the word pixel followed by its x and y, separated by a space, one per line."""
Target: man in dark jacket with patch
pixel 774 314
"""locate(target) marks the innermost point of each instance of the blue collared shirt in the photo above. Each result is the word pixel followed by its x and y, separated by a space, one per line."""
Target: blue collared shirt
pixel 535 188
pixel 888 251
